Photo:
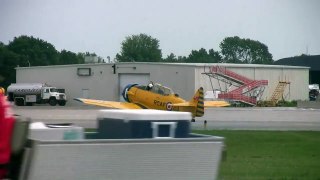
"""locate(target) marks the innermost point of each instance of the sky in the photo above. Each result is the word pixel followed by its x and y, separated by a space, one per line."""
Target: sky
pixel 288 27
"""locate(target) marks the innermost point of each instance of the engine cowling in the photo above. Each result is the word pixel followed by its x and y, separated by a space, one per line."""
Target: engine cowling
pixel 126 90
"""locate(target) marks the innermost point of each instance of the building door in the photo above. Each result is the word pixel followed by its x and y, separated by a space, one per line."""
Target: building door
pixel 125 79
pixel 85 93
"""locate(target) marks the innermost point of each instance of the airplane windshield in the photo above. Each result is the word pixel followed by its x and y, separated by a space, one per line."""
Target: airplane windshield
pixel 159 89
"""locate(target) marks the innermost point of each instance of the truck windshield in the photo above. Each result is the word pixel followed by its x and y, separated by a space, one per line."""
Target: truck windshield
pixel 53 90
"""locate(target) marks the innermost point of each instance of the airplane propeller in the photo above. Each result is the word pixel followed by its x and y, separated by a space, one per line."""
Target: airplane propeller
pixel 126 90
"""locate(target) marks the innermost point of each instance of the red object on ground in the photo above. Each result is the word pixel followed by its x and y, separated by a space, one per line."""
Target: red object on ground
pixel 6 128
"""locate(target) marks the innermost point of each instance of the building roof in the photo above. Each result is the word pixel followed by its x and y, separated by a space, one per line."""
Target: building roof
pixel 175 64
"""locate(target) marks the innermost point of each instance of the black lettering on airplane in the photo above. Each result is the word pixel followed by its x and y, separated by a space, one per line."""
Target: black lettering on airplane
pixel 159 103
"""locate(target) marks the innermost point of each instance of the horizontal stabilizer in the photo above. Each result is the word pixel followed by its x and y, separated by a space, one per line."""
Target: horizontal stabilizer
pixel 216 104
pixel 184 104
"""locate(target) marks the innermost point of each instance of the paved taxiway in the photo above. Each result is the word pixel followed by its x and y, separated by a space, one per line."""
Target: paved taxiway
pixel 217 118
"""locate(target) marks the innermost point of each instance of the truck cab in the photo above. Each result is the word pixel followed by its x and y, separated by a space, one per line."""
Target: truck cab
pixel 53 96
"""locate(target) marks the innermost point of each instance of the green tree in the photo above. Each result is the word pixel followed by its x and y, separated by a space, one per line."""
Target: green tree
pixel 80 57
pixel 237 50
pixel 215 56
pixel 182 59
pixel 140 48
pixel 29 51
pixel 171 58
pixel 68 57
pixel 202 56
pixel 8 61
pixel 34 51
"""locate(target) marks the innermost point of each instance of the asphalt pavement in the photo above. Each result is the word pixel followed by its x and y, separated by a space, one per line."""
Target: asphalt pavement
pixel 253 118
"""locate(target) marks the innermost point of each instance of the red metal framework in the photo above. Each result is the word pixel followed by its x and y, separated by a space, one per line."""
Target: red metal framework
pixel 245 89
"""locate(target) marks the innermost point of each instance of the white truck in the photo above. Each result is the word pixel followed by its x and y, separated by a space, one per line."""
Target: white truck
pixel 30 93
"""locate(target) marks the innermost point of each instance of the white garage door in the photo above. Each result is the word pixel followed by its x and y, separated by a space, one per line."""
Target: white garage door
pixel 125 79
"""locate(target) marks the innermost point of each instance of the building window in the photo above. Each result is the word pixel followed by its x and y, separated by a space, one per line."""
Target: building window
pixel 163 130
pixel 84 72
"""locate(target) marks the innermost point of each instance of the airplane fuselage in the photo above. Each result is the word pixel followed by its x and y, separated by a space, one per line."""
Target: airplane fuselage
pixel 152 100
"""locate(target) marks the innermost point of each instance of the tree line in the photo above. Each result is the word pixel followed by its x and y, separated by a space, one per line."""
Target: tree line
pixel 27 51
pixel 144 48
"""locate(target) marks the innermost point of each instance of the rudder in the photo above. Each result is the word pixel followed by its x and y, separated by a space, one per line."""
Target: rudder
pixel 197 100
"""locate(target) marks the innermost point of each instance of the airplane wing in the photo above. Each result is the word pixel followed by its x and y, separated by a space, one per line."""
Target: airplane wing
pixel 109 104
pixel 216 104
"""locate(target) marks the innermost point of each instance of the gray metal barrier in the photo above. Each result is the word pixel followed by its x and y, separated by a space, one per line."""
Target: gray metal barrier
pixel 184 158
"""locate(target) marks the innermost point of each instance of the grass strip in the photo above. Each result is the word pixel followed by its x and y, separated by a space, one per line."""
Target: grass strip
pixel 269 154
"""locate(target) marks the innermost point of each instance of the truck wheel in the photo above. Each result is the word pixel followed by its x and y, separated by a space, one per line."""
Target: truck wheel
pixel 29 103
pixel 19 102
pixel 53 102
pixel 62 103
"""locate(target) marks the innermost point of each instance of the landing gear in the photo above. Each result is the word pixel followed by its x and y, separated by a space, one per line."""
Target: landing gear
pixel 193 120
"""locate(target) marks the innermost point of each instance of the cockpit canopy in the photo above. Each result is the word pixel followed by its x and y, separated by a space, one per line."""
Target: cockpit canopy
pixel 158 89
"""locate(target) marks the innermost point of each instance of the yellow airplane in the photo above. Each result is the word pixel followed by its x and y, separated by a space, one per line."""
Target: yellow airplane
pixel 156 96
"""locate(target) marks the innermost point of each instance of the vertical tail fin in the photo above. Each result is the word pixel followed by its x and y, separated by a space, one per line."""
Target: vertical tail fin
pixel 197 100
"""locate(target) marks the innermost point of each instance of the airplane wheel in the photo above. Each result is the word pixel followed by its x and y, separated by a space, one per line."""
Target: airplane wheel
pixel 193 120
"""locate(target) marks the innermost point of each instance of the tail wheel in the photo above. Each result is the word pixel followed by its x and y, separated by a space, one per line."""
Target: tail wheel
pixel 53 101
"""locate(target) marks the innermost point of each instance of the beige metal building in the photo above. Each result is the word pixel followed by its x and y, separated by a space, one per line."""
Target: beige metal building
pixel 106 81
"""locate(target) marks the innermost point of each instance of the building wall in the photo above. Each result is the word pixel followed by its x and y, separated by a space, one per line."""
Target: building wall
pixel 184 79
pixel 177 77
pixel 299 79
pixel 103 83
pixel 100 84
pixel 297 76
